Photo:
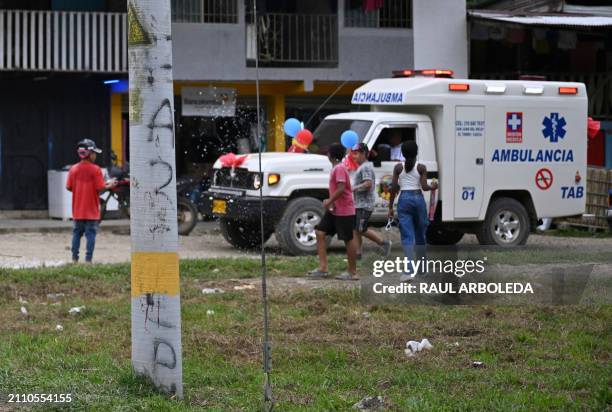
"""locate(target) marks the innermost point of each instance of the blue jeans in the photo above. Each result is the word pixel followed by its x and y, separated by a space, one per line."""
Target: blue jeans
pixel 89 228
pixel 413 222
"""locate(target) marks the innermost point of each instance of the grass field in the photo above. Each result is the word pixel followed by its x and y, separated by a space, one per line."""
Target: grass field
pixel 326 354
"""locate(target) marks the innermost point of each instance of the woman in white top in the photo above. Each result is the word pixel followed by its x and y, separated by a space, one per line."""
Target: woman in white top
pixel 410 179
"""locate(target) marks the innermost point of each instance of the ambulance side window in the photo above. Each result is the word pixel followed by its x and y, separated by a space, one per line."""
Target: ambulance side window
pixel 388 144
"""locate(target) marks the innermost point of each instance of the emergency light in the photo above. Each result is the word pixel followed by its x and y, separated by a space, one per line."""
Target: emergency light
pixel 568 90
pixel 443 73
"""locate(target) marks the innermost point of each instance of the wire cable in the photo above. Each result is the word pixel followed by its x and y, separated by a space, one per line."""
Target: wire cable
pixel 268 403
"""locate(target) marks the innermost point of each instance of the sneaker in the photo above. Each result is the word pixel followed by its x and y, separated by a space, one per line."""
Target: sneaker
pixel 386 248
pixel 317 274
pixel 346 276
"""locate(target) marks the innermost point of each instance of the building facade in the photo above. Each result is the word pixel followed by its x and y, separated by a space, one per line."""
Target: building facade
pixel 63 73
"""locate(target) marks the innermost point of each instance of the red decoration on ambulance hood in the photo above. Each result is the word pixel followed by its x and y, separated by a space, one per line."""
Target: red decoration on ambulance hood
pixel 300 143
pixel 231 160
pixel 593 127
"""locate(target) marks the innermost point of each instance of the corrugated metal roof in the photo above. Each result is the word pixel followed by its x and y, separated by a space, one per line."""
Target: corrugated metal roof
pixel 534 19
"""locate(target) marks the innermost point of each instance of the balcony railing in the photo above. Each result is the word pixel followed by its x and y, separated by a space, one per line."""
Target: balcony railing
pixel 294 40
pixel 204 11
pixel 32 40
pixel 598 85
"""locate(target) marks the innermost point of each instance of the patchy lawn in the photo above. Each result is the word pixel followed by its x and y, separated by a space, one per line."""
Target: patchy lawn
pixel 326 354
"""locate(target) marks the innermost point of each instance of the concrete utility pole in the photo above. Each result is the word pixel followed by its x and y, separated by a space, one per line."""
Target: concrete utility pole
pixel 156 302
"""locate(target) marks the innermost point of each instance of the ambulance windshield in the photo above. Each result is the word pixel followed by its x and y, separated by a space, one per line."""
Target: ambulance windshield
pixel 330 130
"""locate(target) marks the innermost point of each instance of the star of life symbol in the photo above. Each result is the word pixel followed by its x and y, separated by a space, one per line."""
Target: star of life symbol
pixel 514 127
pixel 554 127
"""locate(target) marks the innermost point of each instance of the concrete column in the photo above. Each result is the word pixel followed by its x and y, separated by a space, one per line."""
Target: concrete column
pixel 440 35
pixel 116 127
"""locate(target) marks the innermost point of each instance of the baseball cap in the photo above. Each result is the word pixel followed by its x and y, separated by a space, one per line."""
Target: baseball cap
pixel 85 147
pixel 360 147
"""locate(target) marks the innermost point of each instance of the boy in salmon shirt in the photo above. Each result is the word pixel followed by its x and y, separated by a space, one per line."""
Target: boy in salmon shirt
pixel 339 218
pixel 85 181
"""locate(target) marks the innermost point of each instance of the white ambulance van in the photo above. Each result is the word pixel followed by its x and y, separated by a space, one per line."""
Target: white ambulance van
pixel 505 153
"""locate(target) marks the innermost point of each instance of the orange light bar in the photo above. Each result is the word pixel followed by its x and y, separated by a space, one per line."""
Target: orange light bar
pixel 403 73
pixel 568 90
pixel 427 72
pixel 437 72
pixel 458 87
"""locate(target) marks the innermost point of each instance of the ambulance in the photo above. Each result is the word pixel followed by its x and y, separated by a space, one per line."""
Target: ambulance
pixel 505 153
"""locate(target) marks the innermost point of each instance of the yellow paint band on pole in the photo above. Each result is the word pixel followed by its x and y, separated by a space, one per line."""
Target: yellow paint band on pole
pixel 155 272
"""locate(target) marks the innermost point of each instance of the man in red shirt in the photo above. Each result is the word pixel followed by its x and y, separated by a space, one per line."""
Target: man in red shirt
pixel 85 181
pixel 339 217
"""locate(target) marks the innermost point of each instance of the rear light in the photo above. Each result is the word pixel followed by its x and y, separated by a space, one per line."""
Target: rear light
pixel 568 90
pixel 443 73
pixel 458 87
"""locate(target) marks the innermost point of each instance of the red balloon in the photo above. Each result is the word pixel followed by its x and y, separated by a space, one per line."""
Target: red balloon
pixel 304 137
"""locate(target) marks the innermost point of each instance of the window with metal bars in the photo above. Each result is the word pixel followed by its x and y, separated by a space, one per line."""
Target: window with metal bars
pixel 391 14
pixel 205 11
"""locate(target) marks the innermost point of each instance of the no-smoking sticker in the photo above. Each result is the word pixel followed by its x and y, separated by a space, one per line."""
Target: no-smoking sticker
pixel 544 179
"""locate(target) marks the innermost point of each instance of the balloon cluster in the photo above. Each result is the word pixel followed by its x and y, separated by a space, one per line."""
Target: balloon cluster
pixel 301 137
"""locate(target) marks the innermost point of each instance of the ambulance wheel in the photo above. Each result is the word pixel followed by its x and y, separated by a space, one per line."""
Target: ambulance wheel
pixel 437 235
pixel 242 235
pixel 506 224
pixel 295 232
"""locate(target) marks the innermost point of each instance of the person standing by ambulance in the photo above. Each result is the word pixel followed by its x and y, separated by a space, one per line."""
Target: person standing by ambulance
pixel 85 181
pixel 410 179
pixel 339 217
pixel 364 194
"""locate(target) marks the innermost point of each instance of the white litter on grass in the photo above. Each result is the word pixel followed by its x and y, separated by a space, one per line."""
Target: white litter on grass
pixel 9 263
pixel 55 296
pixel 478 364
pixel 210 312
pixel 22 300
pixel 210 291
pixel 244 287
pixel 76 309
pixel 370 403
pixel 412 347
pixel 216 270
pixel 366 315
pixel 24 311
pixel 59 328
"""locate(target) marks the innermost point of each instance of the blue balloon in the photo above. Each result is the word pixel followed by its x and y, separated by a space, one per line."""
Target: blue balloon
pixel 349 139
pixel 292 127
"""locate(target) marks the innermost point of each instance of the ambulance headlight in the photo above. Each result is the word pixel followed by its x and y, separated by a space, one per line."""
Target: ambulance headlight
pixel 257 181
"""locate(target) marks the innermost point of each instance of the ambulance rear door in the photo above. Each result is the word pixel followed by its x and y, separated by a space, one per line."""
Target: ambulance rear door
pixel 469 161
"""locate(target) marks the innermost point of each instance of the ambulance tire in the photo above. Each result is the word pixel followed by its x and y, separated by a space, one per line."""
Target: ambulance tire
pixel 506 224
pixel 242 235
pixel 295 230
pixel 439 236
